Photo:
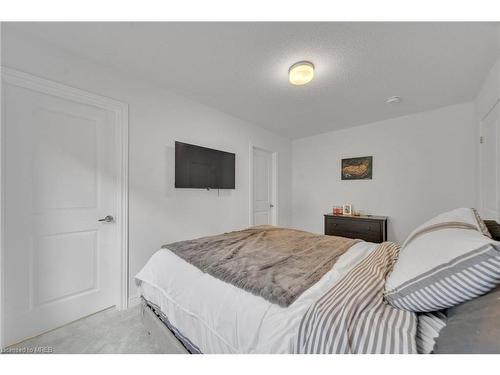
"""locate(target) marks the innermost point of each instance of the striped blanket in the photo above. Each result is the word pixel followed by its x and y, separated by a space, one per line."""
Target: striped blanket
pixel 352 317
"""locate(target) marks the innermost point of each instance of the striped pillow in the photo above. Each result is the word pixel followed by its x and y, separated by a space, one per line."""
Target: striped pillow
pixel 428 328
pixel 443 268
pixel 465 218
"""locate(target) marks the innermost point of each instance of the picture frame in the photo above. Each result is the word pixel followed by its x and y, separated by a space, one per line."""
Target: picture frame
pixel 347 209
pixel 360 168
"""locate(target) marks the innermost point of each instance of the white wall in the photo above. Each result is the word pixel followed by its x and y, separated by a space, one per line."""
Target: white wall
pixel 159 213
pixel 423 164
pixel 489 93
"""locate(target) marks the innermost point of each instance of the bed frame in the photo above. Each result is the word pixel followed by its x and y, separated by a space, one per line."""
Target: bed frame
pixel 163 334
pixel 159 332
pixel 493 228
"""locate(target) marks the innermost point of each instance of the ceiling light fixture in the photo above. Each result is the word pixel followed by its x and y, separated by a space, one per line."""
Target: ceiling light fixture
pixel 301 73
pixel 393 100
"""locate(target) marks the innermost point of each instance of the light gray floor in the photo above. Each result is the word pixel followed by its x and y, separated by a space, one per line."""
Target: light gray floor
pixel 108 331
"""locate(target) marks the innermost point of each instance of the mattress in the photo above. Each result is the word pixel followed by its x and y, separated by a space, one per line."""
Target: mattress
pixel 218 317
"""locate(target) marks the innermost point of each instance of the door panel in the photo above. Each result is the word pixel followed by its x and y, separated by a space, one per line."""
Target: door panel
pixel 61 176
pixel 66 265
pixel 262 187
pixel 65 161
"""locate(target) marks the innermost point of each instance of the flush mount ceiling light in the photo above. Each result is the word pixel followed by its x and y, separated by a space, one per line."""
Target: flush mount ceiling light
pixel 301 73
pixel 393 100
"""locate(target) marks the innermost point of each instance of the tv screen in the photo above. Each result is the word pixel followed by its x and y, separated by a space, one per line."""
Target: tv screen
pixel 203 168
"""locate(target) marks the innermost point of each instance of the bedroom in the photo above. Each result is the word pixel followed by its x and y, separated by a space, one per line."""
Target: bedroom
pixel 140 159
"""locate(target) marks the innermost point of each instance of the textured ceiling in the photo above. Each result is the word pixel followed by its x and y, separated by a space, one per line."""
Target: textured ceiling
pixel 241 68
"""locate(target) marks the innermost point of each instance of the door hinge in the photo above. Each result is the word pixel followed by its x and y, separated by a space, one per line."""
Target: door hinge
pixel 481 139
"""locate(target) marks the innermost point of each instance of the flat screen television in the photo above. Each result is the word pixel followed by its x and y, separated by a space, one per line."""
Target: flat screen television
pixel 203 168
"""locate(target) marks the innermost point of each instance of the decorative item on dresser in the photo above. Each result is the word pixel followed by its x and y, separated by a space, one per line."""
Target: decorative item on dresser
pixel 369 228
pixel 347 209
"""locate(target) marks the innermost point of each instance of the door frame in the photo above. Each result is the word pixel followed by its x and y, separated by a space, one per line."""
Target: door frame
pixel 494 107
pixel 274 183
pixel 120 109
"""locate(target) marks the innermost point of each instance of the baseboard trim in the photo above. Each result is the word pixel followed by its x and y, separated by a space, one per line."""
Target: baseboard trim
pixel 134 301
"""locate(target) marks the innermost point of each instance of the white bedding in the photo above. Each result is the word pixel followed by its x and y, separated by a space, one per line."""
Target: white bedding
pixel 220 318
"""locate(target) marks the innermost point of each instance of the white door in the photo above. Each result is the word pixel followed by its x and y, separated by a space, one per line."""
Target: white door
pixel 490 165
pixel 263 206
pixel 61 165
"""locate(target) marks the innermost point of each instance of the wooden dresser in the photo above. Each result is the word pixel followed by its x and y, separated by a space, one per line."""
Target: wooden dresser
pixel 368 228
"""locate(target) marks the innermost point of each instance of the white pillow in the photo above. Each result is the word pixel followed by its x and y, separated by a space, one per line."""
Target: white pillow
pixel 466 216
pixel 443 263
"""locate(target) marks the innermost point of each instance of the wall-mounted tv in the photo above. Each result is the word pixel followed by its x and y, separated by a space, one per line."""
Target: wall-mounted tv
pixel 199 167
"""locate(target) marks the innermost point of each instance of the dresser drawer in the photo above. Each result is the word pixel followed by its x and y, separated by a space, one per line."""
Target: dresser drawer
pixel 367 230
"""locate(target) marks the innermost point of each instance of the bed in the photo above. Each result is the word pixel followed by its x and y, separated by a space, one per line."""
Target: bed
pixel 221 318
pixel 200 313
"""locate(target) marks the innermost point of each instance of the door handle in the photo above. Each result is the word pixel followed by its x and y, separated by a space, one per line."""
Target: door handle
pixel 107 219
